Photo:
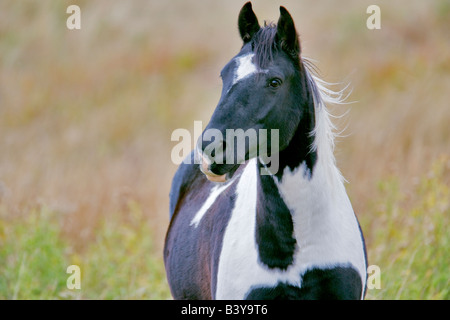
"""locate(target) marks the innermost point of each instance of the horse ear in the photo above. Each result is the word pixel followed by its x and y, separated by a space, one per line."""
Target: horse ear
pixel 286 33
pixel 247 22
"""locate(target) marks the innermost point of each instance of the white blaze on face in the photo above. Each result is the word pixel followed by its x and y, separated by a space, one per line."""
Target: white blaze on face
pixel 245 67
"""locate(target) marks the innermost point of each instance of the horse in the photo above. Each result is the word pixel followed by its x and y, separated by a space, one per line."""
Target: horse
pixel 240 231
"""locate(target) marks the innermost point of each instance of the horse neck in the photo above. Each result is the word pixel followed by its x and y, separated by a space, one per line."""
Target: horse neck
pixel 301 198
pixel 316 198
pixel 308 167
pixel 308 163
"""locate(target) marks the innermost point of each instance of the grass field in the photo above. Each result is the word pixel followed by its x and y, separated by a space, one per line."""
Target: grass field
pixel 86 117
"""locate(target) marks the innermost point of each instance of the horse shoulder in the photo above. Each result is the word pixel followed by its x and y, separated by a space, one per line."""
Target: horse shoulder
pixel 183 179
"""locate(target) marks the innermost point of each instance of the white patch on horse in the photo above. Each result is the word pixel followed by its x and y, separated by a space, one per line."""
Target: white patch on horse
pixel 238 262
pixel 325 225
pixel 215 192
pixel 245 67
pixel 240 268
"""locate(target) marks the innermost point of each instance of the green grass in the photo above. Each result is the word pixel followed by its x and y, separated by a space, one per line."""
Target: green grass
pixel 32 259
pixel 120 263
pixel 408 237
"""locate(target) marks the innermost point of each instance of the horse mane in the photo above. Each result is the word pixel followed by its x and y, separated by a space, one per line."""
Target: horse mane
pixel 324 132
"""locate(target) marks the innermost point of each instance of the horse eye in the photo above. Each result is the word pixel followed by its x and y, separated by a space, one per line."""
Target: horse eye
pixel 274 83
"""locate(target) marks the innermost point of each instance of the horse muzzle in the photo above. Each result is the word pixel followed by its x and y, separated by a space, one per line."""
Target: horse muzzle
pixel 211 176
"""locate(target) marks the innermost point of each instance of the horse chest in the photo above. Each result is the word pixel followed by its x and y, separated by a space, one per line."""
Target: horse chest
pixel 322 252
pixel 243 264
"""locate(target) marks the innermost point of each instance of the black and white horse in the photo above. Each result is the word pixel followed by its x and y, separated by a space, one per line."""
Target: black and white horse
pixel 239 233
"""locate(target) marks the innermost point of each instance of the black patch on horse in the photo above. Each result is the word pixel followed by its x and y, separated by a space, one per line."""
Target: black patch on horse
pixel 339 283
pixel 274 227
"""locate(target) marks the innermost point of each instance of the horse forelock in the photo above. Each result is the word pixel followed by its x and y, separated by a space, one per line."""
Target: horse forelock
pixel 264 45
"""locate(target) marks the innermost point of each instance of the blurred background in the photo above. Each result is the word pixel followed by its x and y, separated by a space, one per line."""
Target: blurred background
pixel 86 118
